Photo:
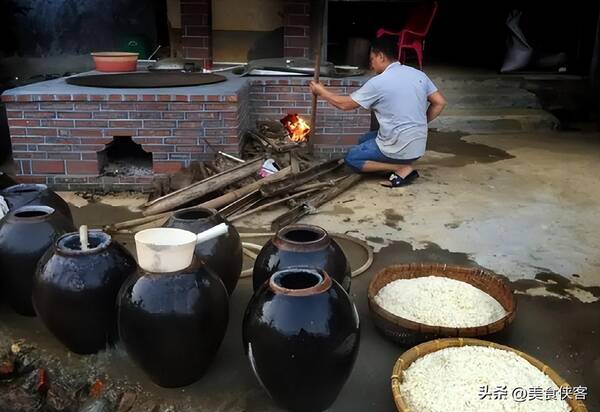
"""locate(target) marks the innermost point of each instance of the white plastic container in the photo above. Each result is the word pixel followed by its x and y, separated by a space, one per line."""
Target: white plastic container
pixel 164 250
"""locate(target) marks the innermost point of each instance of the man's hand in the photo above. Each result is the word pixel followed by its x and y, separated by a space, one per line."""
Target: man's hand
pixel 317 88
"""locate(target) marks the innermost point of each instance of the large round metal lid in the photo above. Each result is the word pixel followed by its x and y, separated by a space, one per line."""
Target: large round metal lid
pixel 140 80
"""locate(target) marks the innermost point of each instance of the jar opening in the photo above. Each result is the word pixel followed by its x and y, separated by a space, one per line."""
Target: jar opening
pixel 297 279
pixel 25 188
pixel 71 242
pixel 31 212
pixel 193 214
pixel 303 235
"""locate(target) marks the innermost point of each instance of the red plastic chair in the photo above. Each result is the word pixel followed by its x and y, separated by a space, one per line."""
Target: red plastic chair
pixel 412 36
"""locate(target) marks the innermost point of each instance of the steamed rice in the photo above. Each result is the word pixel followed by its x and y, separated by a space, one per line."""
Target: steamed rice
pixel 439 301
pixel 450 380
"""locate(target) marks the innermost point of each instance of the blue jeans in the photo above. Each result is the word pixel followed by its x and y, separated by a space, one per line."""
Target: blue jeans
pixel 367 149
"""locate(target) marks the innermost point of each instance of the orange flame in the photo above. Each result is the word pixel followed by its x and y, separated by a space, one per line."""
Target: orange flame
pixel 297 127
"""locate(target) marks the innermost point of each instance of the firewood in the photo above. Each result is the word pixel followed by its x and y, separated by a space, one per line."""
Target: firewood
pixel 151 225
pixel 328 183
pixel 136 222
pixel 203 171
pixel 273 203
pixel 311 205
pixel 129 226
pixel 227 198
pixel 298 179
pixel 202 188
pixel 236 205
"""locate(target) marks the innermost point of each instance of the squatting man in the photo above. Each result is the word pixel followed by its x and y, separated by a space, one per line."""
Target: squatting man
pixel 404 101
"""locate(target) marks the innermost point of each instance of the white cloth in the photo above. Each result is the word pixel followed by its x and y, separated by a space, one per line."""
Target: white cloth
pixel 3 207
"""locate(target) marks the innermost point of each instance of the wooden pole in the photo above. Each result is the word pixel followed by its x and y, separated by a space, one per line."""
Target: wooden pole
pixel 316 78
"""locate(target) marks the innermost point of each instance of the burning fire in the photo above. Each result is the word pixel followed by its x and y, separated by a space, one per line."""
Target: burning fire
pixel 297 127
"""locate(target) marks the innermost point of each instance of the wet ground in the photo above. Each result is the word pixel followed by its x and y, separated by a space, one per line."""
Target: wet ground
pixel 562 332
pixel 495 202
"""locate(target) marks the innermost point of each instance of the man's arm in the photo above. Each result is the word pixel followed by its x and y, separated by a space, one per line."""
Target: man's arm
pixel 437 102
pixel 341 102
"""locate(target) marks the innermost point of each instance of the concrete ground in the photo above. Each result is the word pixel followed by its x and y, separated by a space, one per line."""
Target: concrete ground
pixel 524 206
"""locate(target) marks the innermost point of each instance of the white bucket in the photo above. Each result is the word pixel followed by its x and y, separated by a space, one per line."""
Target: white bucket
pixel 165 250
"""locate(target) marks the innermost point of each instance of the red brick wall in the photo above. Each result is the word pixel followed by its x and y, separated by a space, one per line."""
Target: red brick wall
pixel 197 30
pixel 58 135
pixel 336 130
pixel 296 29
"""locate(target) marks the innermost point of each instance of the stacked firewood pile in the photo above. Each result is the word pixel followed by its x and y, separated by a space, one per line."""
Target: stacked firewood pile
pixel 235 188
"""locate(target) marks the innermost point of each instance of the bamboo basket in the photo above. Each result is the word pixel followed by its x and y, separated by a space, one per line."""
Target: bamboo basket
pixel 409 333
pixel 411 355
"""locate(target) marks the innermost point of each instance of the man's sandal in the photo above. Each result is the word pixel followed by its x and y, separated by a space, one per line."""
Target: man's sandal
pixel 397 181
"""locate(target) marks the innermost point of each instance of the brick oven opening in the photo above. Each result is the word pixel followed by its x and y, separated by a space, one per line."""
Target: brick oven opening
pixel 124 157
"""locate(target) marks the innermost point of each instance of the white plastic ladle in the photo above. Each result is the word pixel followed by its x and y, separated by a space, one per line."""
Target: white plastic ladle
pixel 164 250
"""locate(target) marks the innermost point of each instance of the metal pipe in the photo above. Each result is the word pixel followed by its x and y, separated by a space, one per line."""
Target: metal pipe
pixel 232 157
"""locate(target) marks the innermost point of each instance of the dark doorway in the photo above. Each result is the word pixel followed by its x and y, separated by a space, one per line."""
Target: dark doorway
pixel 124 157
pixel 352 24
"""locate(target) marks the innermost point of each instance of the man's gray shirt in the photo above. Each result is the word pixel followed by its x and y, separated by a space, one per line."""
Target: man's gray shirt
pixel 398 97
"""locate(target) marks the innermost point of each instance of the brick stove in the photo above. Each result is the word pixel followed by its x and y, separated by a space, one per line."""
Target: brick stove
pixel 58 130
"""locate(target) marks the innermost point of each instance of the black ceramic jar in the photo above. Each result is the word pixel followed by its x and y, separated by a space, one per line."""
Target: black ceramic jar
pixel 172 324
pixel 301 245
pixel 25 235
pixel 34 195
pixel 301 334
pixel 222 254
pixel 6 181
pixel 75 290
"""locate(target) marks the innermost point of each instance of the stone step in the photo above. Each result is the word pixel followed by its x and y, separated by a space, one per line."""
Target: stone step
pixel 494 80
pixel 501 98
pixel 470 83
pixel 494 121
